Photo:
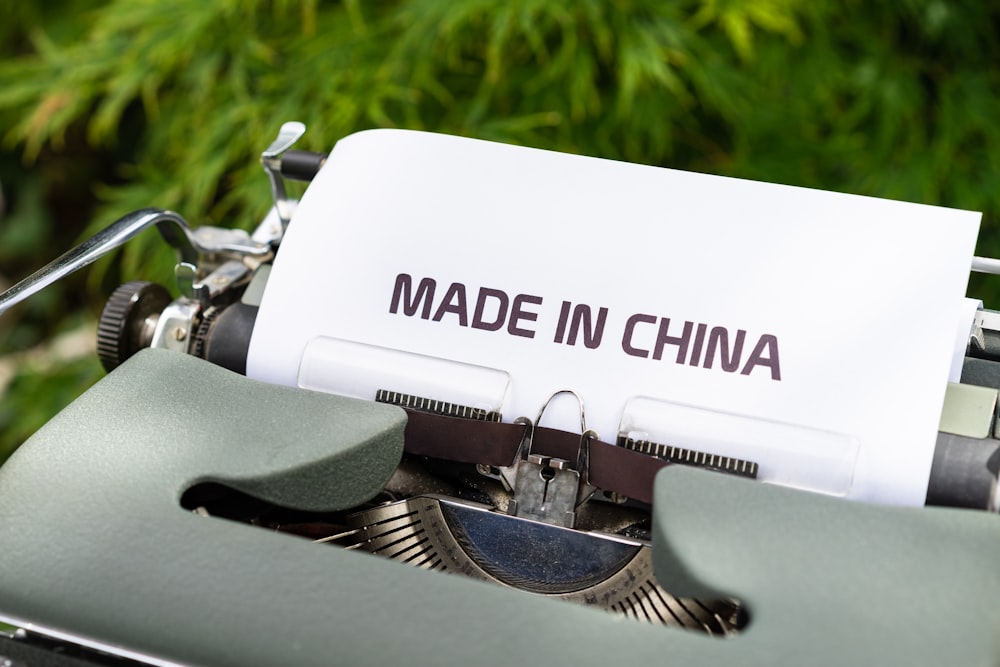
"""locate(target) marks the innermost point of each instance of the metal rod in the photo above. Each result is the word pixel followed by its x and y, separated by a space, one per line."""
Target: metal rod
pixel 986 265
pixel 172 226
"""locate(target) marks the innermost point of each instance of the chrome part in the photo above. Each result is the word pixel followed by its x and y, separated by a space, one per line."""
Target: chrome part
pixel 173 228
pixel 229 275
pixel 219 240
pixel 977 339
pixel 269 231
pixel 607 571
pixel 271 160
pixel 186 274
pixel 983 323
pixel 81 640
pixel 545 490
pixel 583 455
pixel 175 326
pixel 204 250
pixel 225 277
pixel 289 133
pixel 579 400
pixel 549 489
pixel 986 265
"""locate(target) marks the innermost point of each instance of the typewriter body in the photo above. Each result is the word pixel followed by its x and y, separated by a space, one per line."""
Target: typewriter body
pixel 182 513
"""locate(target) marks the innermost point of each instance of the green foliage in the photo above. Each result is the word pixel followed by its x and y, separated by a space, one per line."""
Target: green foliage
pixel 170 103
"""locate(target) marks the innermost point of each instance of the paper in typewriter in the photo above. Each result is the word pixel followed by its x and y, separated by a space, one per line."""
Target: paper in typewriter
pixel 720 314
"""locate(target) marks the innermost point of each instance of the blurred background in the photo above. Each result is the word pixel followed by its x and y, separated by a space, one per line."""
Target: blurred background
pixel 106 107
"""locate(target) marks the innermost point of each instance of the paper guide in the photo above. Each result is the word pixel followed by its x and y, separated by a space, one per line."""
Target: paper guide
pixel 452 261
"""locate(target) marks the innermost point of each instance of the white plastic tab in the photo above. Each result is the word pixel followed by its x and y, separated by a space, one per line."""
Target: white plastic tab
pixel 787 454
pixel 359 370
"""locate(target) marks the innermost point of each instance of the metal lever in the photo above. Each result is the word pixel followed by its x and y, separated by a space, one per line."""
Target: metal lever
pixel 986 265
pixel 172 226
pixel 271 160
pixel 546 488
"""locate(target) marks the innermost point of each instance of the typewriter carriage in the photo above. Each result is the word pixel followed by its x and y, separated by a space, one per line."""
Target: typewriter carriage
pixel 547 499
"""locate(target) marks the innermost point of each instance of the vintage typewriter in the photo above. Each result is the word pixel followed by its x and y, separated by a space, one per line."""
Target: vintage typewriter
pixel 181 513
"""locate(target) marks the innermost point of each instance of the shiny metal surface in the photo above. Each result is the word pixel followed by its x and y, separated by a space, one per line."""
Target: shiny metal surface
pixel 227 276
pixel 545 490
pixel 89 642
pixel 174 327
pixel 211 240
pixel 986 265
pixel 549 489
pixel 192 244
pixel 172 226
pixel 271 160
pixel 606 571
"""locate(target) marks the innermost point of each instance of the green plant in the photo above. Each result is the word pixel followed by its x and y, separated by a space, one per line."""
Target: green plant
pixel 168 104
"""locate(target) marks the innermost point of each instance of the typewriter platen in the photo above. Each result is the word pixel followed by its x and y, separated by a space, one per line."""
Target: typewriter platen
pixel 450 487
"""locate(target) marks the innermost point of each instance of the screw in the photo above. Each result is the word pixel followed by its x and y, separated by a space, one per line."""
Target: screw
pixel 617 498
pixel 179 333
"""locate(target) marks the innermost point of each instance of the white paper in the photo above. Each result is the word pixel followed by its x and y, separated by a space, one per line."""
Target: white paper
pixel 851 303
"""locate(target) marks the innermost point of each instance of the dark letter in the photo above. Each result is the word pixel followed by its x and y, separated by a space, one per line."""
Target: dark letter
pixel 455 292
pixel 627 338
pixel 771 361
pixel 591 337
pixel 516 314
pixel 477 318
pixel 680 341
pixel 402 291
pixel 699 339
pixel 561 326
pixel 719 337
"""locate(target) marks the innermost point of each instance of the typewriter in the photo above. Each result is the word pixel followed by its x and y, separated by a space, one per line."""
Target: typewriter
pixel 387 508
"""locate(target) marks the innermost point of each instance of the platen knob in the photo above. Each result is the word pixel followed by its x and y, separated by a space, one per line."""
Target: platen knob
pixel 128 321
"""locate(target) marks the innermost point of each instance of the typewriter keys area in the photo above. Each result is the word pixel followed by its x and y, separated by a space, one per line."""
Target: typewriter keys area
pixel 606 571
pixel 451 518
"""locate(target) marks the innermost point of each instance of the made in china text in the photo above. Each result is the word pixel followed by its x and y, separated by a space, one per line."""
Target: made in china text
pixel 643 335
